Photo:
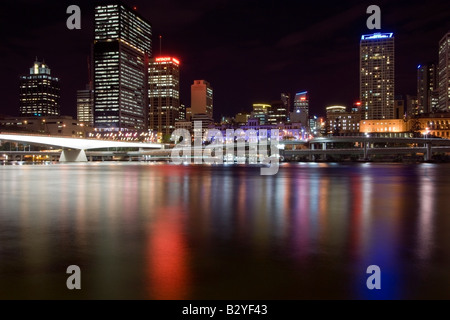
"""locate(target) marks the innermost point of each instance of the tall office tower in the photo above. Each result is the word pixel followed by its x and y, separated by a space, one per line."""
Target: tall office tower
pixel 377 76
pixel 122 48
pixel 279 113
pixel 444 73
pixel 286 98
pixel 164 94
pixel 426 87
pixel 39 92
pixel 85 106
pixel 301 109
pixel 201 98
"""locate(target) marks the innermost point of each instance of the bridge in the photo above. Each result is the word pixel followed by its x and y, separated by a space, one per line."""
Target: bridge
pixel 74 149
pixel 367 146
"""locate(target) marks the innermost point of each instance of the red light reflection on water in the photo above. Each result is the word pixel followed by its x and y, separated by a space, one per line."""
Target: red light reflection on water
pixel 167 258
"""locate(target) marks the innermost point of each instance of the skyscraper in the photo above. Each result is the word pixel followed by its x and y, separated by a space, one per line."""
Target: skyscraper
pixel 279 112
pixel 85 106
pixel 286 98
pixel 122 48
pixel 426 88
pixel 301 109
pixel 202 98
pixel 164 94
pixel 444 73
pixel 377 76
pixel 39 92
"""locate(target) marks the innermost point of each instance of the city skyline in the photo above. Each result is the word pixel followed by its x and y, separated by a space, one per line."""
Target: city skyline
pixel 308 71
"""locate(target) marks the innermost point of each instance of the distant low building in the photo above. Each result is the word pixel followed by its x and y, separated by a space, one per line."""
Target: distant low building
pixel 183 125
pixel 432 125
pixel 241 118
pixel 383 126
pixel 340 121
pixel 51 125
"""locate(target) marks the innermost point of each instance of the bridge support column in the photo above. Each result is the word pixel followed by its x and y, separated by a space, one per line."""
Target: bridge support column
pixel 311 156
pixel 324 147
pixel 73 156
pixel 429 153
pixel 366 153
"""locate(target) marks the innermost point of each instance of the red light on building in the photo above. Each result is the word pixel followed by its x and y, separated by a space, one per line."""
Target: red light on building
pixel 135 8
pixel 303 98
pixel 167 59
pixel 358 103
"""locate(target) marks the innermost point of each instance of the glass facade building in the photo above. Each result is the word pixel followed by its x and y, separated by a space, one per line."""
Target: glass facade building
pixel 164 94
pixel 39 92
pixel 301 109
pixel 444 73
pixel 122 48
pixel 85 106
pixel 427 91
pixel 377 76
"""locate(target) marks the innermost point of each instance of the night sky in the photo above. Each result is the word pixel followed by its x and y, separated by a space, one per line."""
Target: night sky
pixel 250 51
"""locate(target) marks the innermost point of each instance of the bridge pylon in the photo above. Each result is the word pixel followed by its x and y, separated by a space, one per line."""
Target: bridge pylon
pixel 70 155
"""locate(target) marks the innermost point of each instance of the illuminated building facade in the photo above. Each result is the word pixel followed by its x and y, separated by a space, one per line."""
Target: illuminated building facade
pixel 182 112
pixel 261 112
pixel 383 126
pixel 444 73
pixel 301 109
pixel 47 125
pixel 202 98
pixel 377 75
pixel 437 125
pixel 340 121
pixel 122 48
pixel 427 90
pixel 431 125
pixel 39 92
pixel 279 113
pixel 164 94
pixel 85 106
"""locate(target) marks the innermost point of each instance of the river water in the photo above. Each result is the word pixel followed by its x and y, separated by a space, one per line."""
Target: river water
pixel 162 231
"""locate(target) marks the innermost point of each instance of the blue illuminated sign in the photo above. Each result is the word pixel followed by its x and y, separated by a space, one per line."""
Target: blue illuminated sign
pixel 376 36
